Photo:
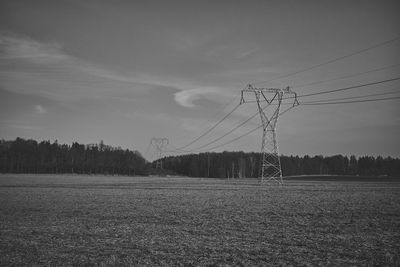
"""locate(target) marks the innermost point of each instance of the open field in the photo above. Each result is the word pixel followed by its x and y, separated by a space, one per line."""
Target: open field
pixel 98 220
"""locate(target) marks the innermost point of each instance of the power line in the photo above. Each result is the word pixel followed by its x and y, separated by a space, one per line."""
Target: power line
pixel 347 76
pixel 352 97
pixel 212 128
pixel 306 103
pixel 348 102
pixel 180 150
pixel 330 61
pixel 247 133
pixel 348 88
pixel 231 131
pixel 174 149
pixel 309 103
pixel 319 103
pixel 237 138
pixel 217 113
pixel 217 139
pixel 339 89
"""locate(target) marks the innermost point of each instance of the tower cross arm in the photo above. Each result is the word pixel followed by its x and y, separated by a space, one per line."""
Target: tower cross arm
pixel 251 88
pixel 262 91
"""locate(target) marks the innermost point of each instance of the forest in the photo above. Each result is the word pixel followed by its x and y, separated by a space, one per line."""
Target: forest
pixel 30 156
pixel 246 165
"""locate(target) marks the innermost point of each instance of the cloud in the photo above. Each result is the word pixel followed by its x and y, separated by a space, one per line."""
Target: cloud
pixel 23 127
pixel 25 48
pixel 186 97
pixel 45 69
pixel 188 41
pixel 40 110
pixel 13 47
pixel 16 124
pixel 245 53
pixel 137 78
pixel 237 50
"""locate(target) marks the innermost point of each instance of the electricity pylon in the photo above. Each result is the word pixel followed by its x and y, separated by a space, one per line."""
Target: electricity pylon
pixel 159 143
pixel 270 167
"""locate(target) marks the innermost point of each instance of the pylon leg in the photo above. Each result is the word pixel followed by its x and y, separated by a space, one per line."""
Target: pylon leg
pixel 270 164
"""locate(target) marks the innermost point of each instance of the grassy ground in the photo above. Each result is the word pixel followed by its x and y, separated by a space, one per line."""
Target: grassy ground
pixel 103 221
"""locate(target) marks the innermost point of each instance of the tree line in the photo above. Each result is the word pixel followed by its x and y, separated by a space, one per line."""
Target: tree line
pixel 30 156
pixel 246 165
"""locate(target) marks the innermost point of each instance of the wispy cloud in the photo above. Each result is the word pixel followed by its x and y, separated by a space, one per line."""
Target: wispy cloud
pixel 46 69
pixel 245 53
pixel 40 110
pixel 188 41
pixel 23 127
pixel 237 50
pixel 16 124
pixel 29 50
pixel 186 97
pixel 13 47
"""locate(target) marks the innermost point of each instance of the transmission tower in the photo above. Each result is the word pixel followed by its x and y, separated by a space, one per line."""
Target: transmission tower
pixel 159 143
pixel 270 166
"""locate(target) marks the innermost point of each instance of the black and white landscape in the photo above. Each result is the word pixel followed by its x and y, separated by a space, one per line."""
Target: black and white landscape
pixel 199 133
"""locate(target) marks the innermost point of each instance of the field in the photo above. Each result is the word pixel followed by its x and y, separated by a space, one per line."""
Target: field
pixel 124 221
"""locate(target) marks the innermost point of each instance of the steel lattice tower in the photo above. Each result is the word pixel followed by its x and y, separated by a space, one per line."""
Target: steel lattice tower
pixel 270 166
pixel 159 143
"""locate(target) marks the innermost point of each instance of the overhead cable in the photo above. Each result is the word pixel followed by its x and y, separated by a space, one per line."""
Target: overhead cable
pixel 348 88
pixel 352 97
pixel 220 110
pixel 228 133
pixel 348 102
pixel 347 76
pixel 247 133
pixel 212 128
pixel 331 61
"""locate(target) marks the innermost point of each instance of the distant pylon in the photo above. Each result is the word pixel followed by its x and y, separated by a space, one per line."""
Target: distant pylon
pixel 270 167
pixel 159 143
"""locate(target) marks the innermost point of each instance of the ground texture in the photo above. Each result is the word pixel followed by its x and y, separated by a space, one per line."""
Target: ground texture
pixel 122 221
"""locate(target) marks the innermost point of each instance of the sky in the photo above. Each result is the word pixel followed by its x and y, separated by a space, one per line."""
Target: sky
pixel 127 71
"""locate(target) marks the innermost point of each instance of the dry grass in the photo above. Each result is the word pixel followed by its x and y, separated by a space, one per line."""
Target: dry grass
pixel 121 221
